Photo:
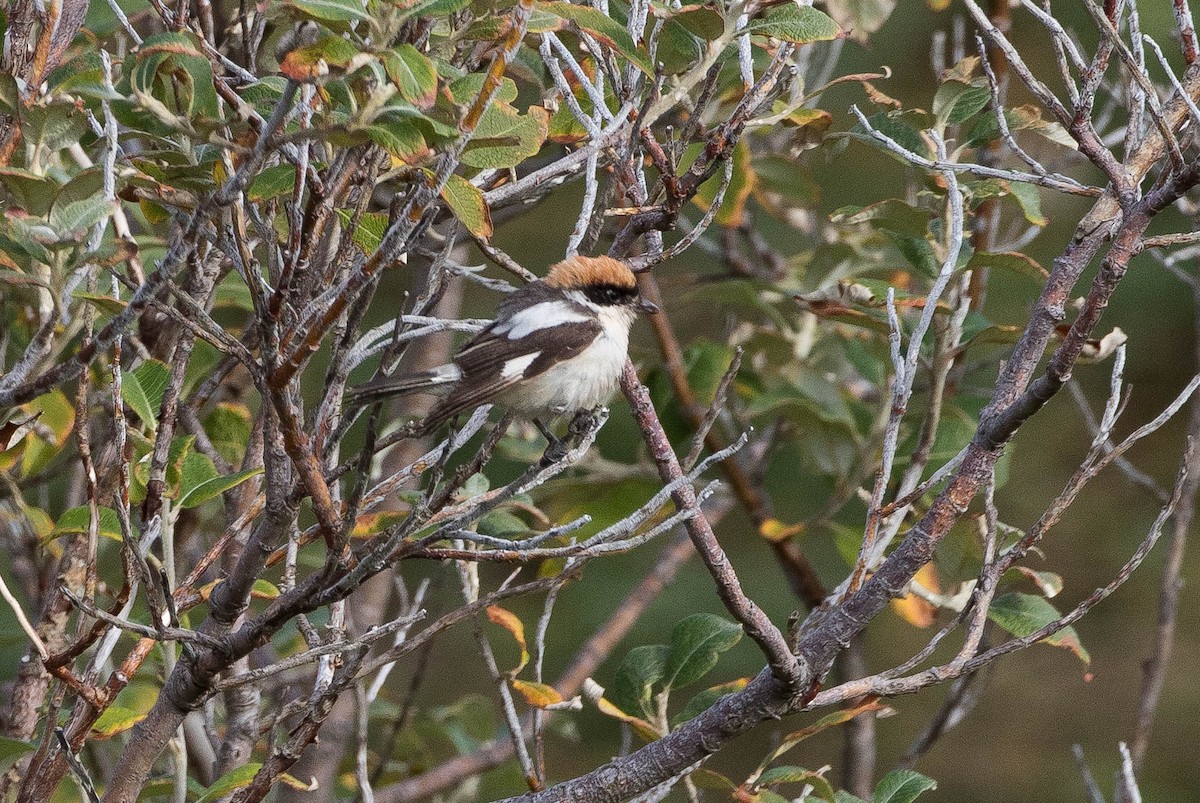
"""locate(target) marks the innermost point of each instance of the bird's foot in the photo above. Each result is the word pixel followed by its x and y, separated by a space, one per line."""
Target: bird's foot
pixel 583 423
pixel 556 450
pixel 580 427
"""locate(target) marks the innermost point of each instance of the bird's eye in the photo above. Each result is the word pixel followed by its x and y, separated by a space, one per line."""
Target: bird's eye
pixel 610 294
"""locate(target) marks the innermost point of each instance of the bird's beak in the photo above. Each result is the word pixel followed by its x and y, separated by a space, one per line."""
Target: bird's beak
pixel 646 306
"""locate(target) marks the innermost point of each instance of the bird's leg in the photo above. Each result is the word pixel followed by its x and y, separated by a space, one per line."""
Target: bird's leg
pixel 547 433
pixel 556 448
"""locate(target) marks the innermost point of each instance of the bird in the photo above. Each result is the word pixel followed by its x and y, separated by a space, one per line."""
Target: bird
pixel 557 346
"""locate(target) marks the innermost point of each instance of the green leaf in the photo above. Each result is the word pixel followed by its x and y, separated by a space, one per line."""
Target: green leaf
pixel 272 182
pixel 1031 204
pixel 790 774
pixel 432 8
pixel 918 251
pixel 1010 261
pixel 678 48
pixel 78 519
pixel 696 644
pixel 413 74
pixel 331 10
pixel 264 589
pixel 369 233
pixel 892 126
pixel 10 94
pixel 604 28
pixel 74 220
pixel 312 61
pixel 475 485
pixel 969 104
pixel 264 93
pixel 902 786
pixel 83 75
pixel 704 21
pixel 1049 583
pixel 468 204
pixel 32 192
pixel 1023 614
pixel 464 90
pixel 179 451
pixel 143 390
pixel 843 796
pixel 505 138
pixel 799 25
pixel 228 428
pixel 11 751
pixel 891 215
pixel 116 719
pixel 230 781
pixel 706 699
pixel 172 68
pixel 52 127
pixel 84 184
pixel 632 687
pixel 402 139
pixel 956 102
pixel 214 487
pixel 767 796
pixel 196 471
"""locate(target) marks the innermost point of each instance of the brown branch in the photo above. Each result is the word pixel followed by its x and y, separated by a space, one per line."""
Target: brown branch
pixel 799 571
pixel 754 621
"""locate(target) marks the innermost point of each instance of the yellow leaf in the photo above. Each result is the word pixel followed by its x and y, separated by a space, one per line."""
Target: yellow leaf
pixel 370 524
pixel 264 589
pixel 538 695
pixel 814 118
pixel 776 531
pixel 57 419
pixel 509 621
pixel 733 206
pixel 641 726
pixel 913 609
pixel 296 783
pixel 467 203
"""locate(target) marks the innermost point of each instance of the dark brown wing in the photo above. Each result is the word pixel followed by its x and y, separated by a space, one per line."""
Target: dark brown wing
pixel 484 358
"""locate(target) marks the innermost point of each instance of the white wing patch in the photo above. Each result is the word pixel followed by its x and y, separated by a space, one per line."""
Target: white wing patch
pixel 445 373
pixel 517 365
pixel 540 316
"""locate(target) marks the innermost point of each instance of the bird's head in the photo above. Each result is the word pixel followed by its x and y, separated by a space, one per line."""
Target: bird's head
pixel 602 281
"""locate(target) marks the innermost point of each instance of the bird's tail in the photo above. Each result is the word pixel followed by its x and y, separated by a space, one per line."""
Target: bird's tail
pixel 435 380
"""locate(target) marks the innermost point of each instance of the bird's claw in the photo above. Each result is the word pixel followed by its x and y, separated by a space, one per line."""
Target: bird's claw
pixel 579 428
pixel 556 450
pixel 583 423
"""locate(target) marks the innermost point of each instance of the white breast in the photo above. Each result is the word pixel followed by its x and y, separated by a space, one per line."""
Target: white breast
pixel 582 382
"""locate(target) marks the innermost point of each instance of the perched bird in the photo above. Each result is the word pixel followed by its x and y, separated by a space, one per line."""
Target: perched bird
pixel 557 346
